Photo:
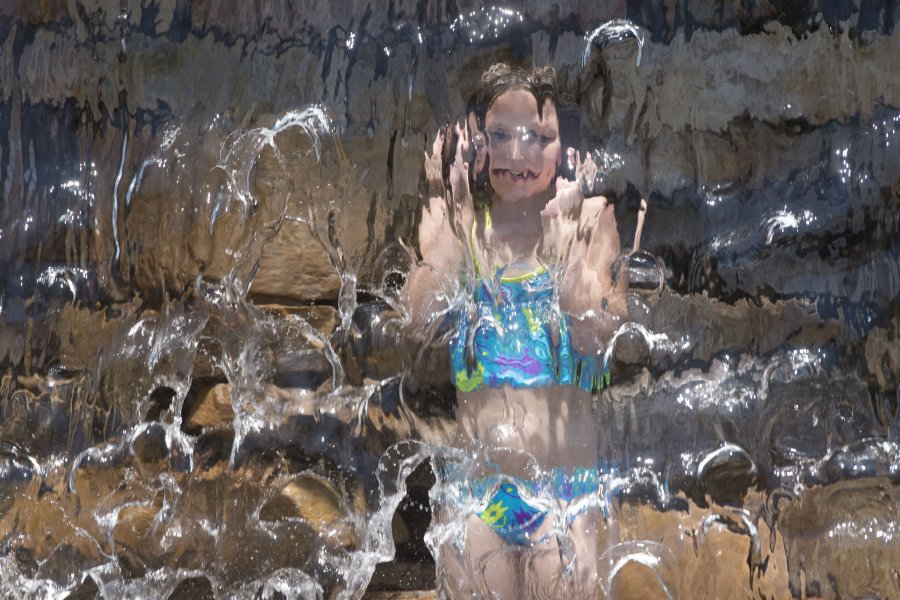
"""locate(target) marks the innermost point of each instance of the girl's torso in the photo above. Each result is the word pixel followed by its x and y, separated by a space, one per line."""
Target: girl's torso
pixel 553 425
pixel 520 383
pixel 513 333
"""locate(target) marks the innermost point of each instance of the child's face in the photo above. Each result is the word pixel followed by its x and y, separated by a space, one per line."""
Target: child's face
pixel 524 149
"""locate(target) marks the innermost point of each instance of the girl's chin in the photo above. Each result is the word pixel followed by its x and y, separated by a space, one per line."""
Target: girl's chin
pixel 513 195
pixel 509 193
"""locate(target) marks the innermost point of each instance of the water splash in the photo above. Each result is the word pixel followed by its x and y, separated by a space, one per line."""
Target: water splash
pixel 169 406
pixel 486 24
pixel 115 207
pixel 612 32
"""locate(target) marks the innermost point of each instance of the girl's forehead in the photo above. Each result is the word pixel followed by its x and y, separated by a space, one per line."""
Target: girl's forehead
pixel 519 107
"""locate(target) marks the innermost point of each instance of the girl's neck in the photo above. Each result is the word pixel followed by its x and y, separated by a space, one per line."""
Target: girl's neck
pixel 519 213
pixel 517 225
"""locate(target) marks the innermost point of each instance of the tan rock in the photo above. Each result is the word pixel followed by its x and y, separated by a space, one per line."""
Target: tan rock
pixel 294 265
pixel 705 555
pixel 437 431
pixel 329 204
pixel 323 318
pixel 883 355
pixel 316 501
pixel 415 595
pixel 308 497
pixel 133 524
pixel 210 408
pixel 842 538
pixel 298 348
pixel 636 581
pixel 760 328
pixel 84 330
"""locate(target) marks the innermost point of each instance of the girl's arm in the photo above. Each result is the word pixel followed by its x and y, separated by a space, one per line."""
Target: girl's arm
pixel 445 223
pixel 593 292
pixel 429 286
pixel 593 298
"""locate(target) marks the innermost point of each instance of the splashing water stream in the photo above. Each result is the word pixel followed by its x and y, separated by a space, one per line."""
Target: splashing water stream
pixel 207 389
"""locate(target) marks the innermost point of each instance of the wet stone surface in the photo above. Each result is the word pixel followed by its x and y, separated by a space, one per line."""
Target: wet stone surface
pixel 208 214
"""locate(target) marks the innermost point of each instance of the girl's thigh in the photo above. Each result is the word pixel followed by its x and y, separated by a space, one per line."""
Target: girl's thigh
pixel 486 567
pixel 492 562
pixel 561 567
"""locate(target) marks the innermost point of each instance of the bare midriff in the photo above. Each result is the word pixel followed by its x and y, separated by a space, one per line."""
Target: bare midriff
pixel 554 425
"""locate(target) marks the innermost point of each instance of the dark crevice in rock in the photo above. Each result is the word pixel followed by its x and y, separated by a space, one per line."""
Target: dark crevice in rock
pixel 160 400
pixel 193 588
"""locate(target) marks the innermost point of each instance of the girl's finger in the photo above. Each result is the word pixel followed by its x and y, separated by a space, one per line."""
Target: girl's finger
pixel 639 229
pixel 438 143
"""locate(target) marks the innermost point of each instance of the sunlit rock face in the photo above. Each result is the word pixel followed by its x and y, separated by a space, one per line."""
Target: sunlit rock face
pixel 718 108
pixel 208 213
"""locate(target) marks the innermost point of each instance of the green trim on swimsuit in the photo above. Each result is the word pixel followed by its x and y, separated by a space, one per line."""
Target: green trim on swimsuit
pixel 508 338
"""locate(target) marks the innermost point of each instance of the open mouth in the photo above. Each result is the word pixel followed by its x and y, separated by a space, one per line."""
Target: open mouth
pixel 522 176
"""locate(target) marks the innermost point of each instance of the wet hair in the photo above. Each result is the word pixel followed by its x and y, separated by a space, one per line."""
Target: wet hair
pixel 543 85
pixel 500 78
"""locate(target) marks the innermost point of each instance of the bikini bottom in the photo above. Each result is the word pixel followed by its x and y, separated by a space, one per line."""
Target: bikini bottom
pixel 516 519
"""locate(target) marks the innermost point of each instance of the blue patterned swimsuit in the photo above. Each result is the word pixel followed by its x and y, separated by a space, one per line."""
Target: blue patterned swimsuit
pixel 509 342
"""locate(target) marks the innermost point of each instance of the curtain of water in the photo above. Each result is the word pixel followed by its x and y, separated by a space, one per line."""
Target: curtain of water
pixel 208 216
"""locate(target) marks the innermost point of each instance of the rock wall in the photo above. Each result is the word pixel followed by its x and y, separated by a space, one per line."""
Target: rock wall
pixel 725 102
pixel 163 163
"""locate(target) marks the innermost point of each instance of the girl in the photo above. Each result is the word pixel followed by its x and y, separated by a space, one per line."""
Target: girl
pixel 528 344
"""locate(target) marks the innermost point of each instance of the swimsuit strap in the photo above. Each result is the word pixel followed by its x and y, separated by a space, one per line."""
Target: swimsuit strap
pixel 487 221
pixel 487 226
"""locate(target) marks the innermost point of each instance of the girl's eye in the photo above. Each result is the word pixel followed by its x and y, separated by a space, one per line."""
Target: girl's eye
pixel 548 138
pixel 498 135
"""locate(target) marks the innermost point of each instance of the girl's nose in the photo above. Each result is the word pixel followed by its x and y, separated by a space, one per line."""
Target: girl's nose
pixel 516 153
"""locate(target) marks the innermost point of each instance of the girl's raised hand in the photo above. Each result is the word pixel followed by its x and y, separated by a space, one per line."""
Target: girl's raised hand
pixel 434 168
pixel 460 201
pixel 561 214
pixel 586 175
pixel 448 209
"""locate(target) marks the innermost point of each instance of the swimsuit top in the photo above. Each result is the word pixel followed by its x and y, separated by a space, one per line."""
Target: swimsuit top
pixel 508 342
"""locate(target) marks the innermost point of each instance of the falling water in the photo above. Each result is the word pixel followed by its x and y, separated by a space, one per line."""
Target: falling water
pixel 209 214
